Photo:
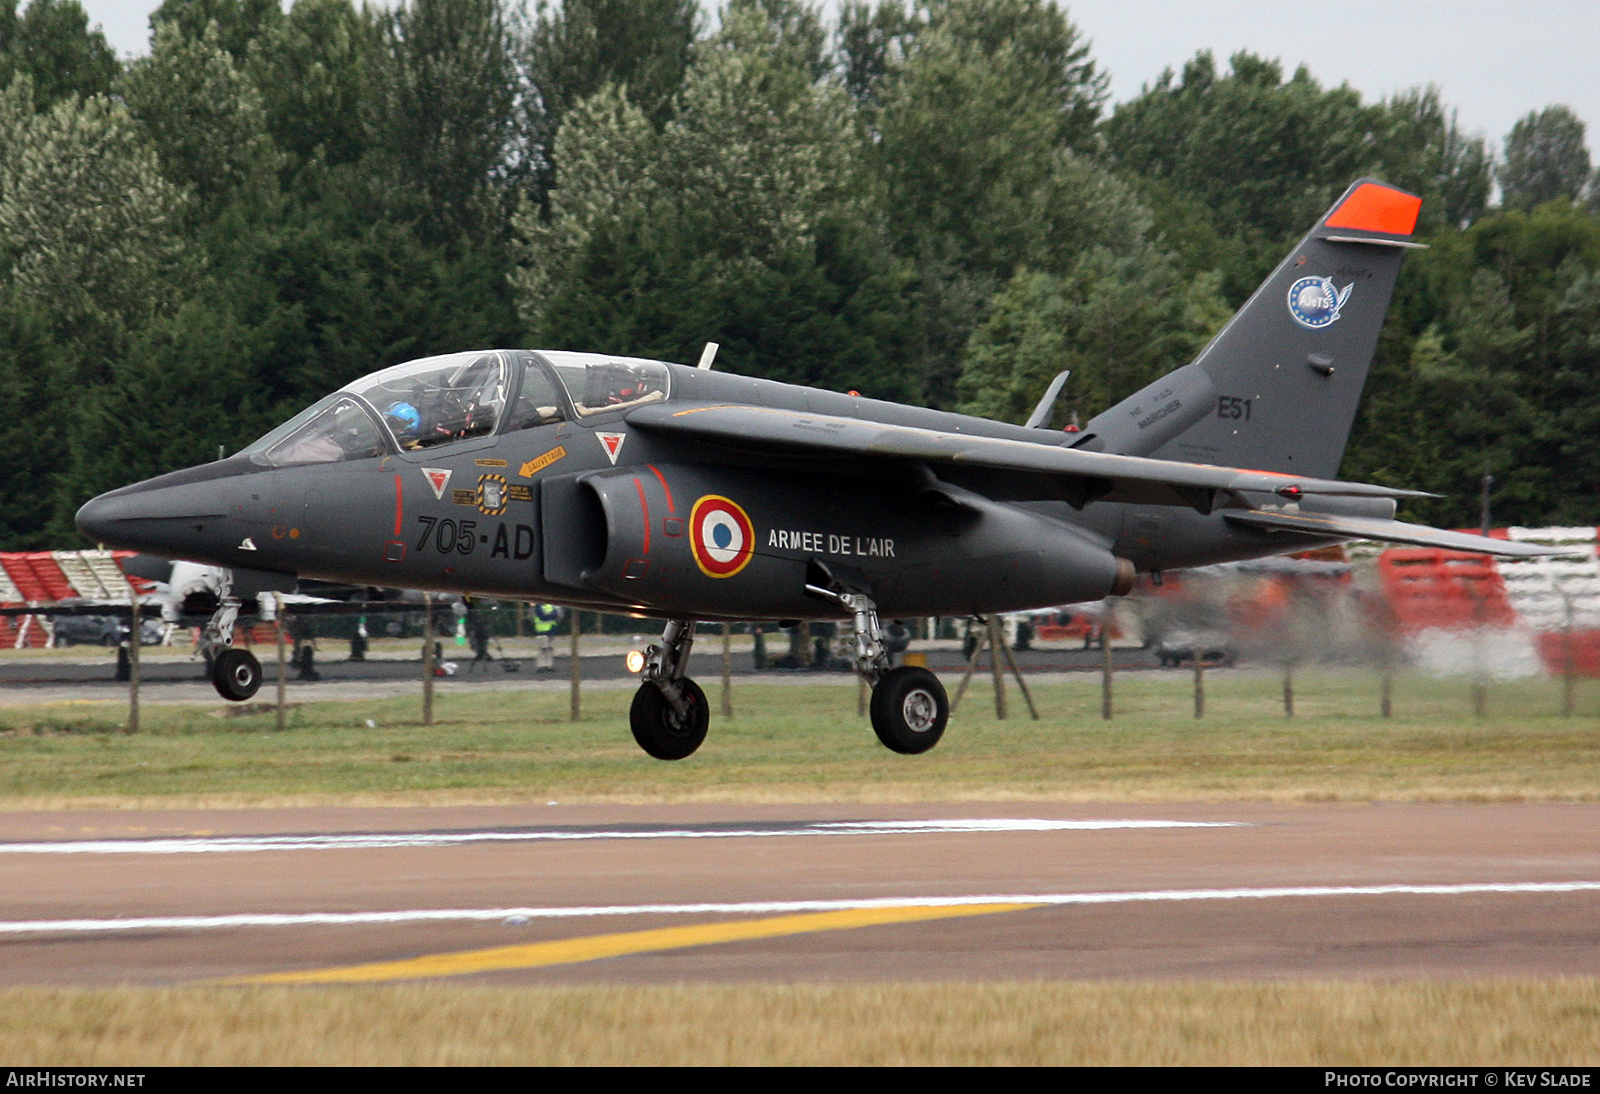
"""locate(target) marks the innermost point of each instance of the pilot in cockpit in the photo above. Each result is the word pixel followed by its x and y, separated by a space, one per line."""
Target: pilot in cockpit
pixel 405 421
pixel 616 384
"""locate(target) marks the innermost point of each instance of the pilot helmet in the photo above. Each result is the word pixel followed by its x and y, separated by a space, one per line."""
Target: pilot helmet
pixel 403 417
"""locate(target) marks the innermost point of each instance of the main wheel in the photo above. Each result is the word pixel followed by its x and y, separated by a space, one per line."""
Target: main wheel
pixel 909 709
pixel 236 674
pixel 661 730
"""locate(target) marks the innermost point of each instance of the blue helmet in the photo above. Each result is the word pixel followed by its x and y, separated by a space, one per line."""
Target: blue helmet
pixel 403 417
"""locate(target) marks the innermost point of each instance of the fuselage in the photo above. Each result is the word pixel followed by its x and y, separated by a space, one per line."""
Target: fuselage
pixel 567 503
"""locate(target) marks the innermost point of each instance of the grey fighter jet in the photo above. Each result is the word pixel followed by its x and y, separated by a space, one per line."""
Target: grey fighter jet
pixel 628 485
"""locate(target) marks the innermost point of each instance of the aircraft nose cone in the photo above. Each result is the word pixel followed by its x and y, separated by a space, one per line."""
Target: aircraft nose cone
pixel 153 516
pixel 98 518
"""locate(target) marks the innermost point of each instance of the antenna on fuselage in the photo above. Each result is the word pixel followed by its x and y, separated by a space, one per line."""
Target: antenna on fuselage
pixel 1047 405
pixel 707 355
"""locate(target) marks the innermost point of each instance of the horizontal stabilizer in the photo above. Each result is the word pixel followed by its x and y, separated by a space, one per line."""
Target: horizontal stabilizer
pixel 1387 531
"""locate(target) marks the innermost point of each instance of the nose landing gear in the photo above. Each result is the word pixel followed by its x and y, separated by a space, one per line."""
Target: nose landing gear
pixel 669 715
pixel 235 673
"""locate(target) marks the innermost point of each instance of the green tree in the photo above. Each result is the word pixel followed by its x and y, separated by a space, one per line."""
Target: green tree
pixel 238 22
pixel 871 45
pixel 1571 418
pixel 1422 149
pixel 1255 148
pixel 204 116
pixel 1116 321
pixel 51 42
pixel 790 32
pixel 1236 165
pixel 336 292
pixel 90 252
pixel 745 220
pixel 312 70
pixel 36 375
pixel 1483 360
pixel 980 113
pixel 1546 159
pixel 973 123
pixel 88 225
pixel 180 386
pixel 447 113
pixel 643 45
pixel 1475 385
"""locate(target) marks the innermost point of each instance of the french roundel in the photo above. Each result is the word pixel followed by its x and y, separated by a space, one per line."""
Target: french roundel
pixel 721 536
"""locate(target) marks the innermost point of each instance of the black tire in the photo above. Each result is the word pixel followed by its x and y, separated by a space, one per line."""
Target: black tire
pixel 236 674
pixel 662 731
pixel 909 710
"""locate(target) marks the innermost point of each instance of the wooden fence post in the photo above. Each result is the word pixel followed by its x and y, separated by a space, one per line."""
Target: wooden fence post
pixel 427 661
pixel 577 668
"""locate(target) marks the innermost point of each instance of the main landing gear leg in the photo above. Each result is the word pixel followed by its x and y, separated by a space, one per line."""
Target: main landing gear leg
pixel 909 706
pixel 235 673
pixel 669 714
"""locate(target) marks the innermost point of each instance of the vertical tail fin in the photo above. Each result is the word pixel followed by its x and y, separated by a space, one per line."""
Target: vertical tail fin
pixel 1277 388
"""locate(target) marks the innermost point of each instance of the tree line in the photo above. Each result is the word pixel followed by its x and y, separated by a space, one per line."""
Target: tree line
pixel 931 202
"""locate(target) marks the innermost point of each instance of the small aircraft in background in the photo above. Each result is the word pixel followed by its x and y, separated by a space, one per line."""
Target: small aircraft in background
pixel 637 486
pixel 89 595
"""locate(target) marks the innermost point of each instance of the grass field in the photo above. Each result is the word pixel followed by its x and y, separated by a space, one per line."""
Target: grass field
pixel 1533 1023
pixel 806 743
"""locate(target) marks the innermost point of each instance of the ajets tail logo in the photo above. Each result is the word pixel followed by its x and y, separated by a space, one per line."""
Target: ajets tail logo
pixel 720 535
pixel 612 443
pixel 1315 302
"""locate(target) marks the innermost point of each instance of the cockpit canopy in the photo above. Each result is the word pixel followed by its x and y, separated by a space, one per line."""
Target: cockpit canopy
pixel 597 383
pixel 437 401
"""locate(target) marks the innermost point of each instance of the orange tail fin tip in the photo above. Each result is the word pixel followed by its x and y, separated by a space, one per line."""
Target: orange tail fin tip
pixel 1372 207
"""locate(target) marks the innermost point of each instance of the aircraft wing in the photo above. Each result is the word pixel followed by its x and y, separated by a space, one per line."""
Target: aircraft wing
pixel 1019 469
pixel 1387 531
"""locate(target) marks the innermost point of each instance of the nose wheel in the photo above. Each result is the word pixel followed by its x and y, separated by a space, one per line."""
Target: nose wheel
pixel 669 715
pixel 663 730
pixel 236 674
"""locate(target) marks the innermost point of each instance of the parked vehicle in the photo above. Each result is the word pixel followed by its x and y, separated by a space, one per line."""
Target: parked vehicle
pixel 102 630
pixel 1178 647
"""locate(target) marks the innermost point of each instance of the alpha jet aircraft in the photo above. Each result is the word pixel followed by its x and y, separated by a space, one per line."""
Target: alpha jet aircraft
pixel 638 486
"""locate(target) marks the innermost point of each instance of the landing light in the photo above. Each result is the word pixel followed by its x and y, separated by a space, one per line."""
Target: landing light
pixel 635 661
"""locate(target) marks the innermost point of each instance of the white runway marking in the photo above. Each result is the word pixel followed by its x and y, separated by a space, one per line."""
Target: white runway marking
pixel 190 845
pixel 766 907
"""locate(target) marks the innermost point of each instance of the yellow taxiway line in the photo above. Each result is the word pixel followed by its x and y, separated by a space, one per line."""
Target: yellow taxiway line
pixel 569 951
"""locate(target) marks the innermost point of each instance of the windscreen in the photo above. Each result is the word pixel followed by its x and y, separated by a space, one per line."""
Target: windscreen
pixel 340 431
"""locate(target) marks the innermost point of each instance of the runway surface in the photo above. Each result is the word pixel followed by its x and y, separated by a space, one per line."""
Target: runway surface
pixel 554 893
